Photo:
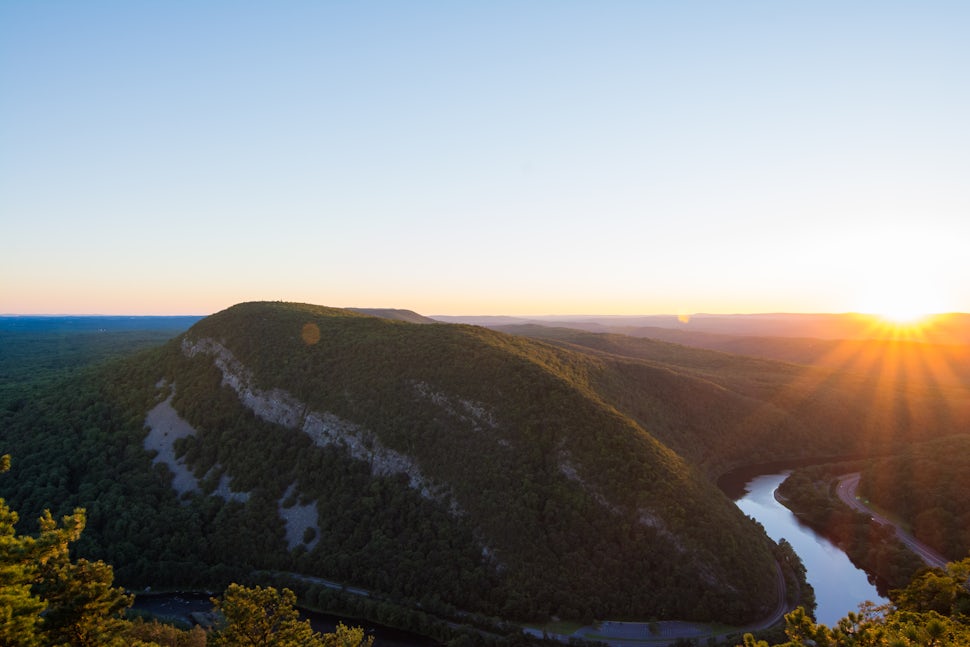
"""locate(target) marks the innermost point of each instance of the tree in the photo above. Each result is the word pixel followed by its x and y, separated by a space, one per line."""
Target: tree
pixel 47 599
pixel 22 561
pixel 942 590
pixel 84 609
pixel 140 633
pixel 911 621
pixel 258 617
pixel 20 609
pixel 345 636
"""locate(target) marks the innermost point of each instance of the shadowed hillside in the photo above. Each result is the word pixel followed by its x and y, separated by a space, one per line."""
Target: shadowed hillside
pixel 575 509
pixel 440 465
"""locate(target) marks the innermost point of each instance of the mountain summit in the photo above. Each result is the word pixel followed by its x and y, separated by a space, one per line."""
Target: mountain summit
pixel 450 460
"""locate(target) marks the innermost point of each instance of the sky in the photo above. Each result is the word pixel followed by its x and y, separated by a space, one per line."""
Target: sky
pixel 537 157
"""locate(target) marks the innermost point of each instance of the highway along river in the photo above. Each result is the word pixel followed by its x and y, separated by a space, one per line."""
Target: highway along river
pixel 839 585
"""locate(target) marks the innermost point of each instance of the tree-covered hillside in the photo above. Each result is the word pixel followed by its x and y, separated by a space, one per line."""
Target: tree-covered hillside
pixel 35 349
pixel 926 486
pixel 577 510
pixel 720 410
pixel 436 464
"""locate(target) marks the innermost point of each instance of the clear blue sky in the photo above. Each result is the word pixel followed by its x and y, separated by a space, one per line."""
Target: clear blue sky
pixel 485 157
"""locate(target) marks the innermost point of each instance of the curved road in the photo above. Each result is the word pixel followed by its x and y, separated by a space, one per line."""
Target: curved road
pixel 667 632
pixel 621 634
pixel 846 489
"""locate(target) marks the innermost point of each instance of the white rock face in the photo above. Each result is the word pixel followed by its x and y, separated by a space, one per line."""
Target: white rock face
pixel 165 426
pixel 324 428
pixel 298 519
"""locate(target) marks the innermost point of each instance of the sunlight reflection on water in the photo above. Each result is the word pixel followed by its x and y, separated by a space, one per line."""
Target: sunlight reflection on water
pixel 839 586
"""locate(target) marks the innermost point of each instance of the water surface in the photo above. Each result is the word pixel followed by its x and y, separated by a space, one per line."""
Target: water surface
pixel 839 586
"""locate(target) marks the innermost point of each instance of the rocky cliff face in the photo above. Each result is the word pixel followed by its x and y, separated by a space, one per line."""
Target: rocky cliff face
pixel 324 428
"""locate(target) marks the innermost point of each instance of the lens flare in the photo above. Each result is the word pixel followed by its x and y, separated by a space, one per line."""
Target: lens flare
pixel 310 334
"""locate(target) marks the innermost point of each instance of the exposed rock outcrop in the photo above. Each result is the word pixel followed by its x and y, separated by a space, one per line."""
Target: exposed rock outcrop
pixel 165 426
pixel 324 428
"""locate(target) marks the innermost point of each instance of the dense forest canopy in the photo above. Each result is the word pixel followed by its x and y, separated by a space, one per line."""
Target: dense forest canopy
pixel 722 410
pixel 562 473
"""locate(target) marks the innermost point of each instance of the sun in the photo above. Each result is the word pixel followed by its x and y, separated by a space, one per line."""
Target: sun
pixel 900 275
pixel 902 303
pixel 904 316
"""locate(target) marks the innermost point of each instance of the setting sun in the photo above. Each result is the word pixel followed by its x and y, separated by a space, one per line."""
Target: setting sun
pixel 901 294
pixel 904 303
pixel 904 315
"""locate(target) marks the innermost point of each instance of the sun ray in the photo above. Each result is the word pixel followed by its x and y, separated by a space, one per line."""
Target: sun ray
pixel 896 370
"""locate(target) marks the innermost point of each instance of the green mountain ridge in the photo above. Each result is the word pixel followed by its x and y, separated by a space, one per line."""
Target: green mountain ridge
pixel 553 472
pixel 574 508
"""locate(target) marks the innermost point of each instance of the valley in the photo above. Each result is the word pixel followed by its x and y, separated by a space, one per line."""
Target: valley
pixel 552 473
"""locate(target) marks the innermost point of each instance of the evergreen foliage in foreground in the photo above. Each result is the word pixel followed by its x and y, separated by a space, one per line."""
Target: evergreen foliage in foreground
pixel 47 599
pixel 933 610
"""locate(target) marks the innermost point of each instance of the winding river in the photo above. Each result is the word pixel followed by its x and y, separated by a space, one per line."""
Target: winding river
pixel 839 586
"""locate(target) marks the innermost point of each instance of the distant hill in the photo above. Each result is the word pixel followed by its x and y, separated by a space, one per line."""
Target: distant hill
pixel 721 410
pixel 948 329
pixel 44 347
pixel 923 362
pixel 392 313
pixel 65 324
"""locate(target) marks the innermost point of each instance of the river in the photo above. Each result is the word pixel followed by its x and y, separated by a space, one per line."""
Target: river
pixel 839 586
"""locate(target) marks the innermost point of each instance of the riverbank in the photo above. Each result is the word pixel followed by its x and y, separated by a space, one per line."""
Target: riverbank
pixel 184 608
pixel 839 586
pixel 734 482
pixel 846 489
pixel 811 495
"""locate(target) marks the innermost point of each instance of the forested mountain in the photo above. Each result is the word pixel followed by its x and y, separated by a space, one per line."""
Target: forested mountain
pixel 440 464
pixel 562 473
pixel 720 410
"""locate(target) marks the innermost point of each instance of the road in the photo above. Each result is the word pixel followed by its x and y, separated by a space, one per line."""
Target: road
pixel 667 632
pixel 846 489
pixel 618 634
